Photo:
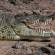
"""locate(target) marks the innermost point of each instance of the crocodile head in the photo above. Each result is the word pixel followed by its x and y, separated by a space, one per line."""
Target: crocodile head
pixel 30 27
pixel 22 27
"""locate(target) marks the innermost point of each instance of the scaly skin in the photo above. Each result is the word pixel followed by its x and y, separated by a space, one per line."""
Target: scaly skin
pixel 26 33
pixel 12 28
pixel 7 33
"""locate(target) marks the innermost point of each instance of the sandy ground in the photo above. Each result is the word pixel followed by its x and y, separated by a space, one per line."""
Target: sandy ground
pixel 26 48
pixel 5 46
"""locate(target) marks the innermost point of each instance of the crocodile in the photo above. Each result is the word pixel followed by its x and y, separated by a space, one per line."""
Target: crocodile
pixel 20 27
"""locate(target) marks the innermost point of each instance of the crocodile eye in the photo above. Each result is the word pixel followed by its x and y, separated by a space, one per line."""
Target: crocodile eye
pixel 3 37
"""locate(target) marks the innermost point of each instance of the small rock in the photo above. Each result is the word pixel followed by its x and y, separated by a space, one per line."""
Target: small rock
pixel 52 46
pixel 18 45
pixel 29 51
pixel 38 52
pixel 53 52
pixel 46 50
